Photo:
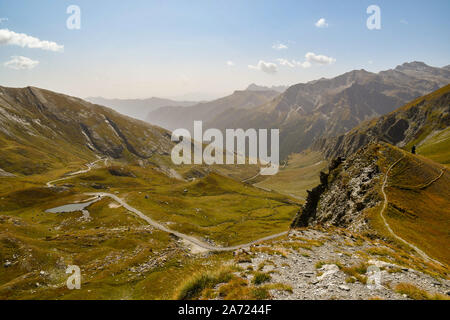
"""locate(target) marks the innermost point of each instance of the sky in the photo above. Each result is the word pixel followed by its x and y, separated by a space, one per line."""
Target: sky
pixel 204 49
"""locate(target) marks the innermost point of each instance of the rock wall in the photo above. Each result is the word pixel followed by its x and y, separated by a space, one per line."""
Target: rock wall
pixel 350 187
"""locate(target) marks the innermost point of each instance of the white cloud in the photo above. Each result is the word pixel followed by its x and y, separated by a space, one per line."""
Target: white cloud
pixel 3 20
pixel 279 46
pixel 230 63
pixel 293 63
pixel 304 65
pixel 286 63
pixel 267 67
pixel 21 63
pixel 403 21
pixel 320 59
pixel 20 39
pixel 321 23
pixel 310 58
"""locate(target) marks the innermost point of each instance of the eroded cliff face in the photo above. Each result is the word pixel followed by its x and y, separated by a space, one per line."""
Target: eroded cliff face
pixel 349 188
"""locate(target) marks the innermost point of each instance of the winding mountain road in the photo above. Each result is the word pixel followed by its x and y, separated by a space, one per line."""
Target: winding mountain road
pixel 183 236
pixel 385 204
pixel 190 239
pixel 251 178
pixel 73 174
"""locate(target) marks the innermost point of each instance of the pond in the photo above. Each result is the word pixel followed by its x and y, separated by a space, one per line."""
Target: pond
pixel 74 207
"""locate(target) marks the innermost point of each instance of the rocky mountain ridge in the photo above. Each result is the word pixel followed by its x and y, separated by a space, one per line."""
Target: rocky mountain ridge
pixel 326 108
pixel 138 108
pixel 410 124
pixel 40 129
pixel 255 87
pixel 349 188
pixel 178 117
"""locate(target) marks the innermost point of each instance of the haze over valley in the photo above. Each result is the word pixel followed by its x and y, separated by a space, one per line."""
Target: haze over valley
pixel 95 206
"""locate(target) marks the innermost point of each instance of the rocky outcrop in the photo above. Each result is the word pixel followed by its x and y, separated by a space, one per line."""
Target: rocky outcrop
pixel 106 147
pixel 327 271
pixel 344 193
pixel 3 173
pixel 309 210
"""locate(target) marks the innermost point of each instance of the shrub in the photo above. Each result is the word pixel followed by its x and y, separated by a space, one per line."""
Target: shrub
pixel 350 280
pixel 418 294
pixel 120 172
pixel 357 272
pixel 260 277
pixel 261 293
pixel 194 286
pixel 236 289
pixel 279 287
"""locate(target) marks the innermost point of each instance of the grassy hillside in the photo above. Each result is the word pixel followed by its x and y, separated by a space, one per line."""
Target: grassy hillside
pixel 436 146
pixel 42 130
pixel 417 206
pixel 45 136
pixel 300 174
pixel 120 256
pixel 418 197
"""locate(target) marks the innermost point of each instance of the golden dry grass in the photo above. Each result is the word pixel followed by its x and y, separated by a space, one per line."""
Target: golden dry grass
pixel 421 216
pixel 416 293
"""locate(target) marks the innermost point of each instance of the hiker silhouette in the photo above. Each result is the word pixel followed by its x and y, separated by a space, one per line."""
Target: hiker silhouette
pixel 413 150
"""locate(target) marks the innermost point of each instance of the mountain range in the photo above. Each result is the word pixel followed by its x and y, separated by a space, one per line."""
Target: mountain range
pixel 322 108
pixel 423 123
pixel 138 108
pixel 179 117
pixel 255 87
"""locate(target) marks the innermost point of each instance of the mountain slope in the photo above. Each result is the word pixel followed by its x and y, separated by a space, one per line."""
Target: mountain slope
pixel 329 107
pixel 178 117
pixel 423 122
pixel 138 108
pixel 350 196
pixel 40 129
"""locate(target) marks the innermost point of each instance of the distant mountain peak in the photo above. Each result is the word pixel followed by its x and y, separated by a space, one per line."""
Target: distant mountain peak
pixel 138 108
pixel 413 65
pixel 255 87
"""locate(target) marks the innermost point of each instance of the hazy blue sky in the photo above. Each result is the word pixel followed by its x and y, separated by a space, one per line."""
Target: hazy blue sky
pixel 200 49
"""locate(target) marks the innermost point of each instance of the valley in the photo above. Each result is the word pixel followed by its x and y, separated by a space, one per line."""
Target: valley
pixel 224 159
pixel 184 217
pixel 84 185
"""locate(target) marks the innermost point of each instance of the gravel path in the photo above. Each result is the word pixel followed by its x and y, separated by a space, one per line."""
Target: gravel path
pixel 192 240
pixel 50 184
pixel 385 204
